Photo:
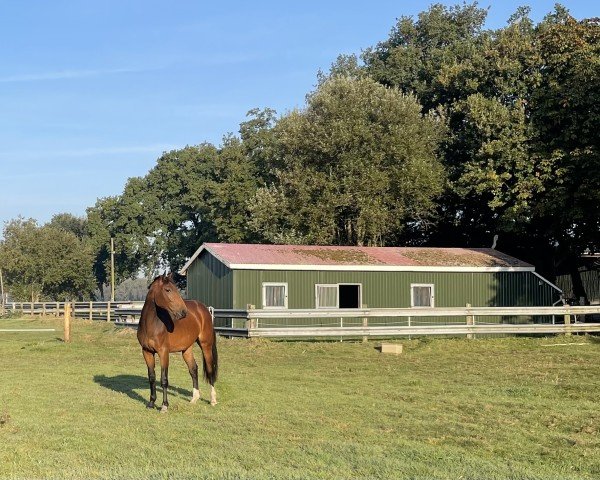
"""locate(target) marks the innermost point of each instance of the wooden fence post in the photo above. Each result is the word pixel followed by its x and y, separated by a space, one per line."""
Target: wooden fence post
pixel 67 336
pixel 567 324
pixel 251 322
pixel 108 313
pixel 91 308
pixel 470 321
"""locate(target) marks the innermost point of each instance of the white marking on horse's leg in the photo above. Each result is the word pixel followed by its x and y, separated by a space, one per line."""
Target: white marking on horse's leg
pixel 164 409
pixel 195 395
pixel 213 396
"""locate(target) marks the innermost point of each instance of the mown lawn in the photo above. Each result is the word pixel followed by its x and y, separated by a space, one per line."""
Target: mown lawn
pixel 446 408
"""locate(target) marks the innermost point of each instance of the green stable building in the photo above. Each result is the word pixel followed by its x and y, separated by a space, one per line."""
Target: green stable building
pixel 235 276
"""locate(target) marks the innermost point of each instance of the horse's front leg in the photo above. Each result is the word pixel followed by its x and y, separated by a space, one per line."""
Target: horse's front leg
pixel 164 377
pixel 149 358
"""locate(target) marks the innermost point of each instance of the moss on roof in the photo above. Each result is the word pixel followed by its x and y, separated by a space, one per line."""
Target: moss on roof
pixel 334 255
pixel 449 258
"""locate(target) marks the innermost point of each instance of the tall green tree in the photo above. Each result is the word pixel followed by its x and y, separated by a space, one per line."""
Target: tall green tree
pixel 353 167
pixel 522 106
pixel 565 115
pixel 438 57
pixel 482 81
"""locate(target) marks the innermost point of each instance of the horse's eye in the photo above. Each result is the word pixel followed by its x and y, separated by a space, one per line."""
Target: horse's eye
pixel 168 290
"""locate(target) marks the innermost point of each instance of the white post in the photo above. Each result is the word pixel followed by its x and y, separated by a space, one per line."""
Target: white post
pixel 112 269
pixel 1 292
pixel 470 321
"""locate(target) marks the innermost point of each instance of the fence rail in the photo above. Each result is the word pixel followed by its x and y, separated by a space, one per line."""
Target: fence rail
pixel 104 311
pixel 517 320
pixel 564 319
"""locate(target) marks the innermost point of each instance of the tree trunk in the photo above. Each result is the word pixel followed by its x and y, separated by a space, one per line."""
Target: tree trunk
pixel 578 288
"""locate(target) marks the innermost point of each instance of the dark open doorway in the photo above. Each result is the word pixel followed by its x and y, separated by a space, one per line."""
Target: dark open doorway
pixel 349 296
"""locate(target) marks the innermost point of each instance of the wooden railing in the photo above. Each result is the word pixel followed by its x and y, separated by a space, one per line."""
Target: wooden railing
pixel 268 323
pixel 469 321
pixel 104 311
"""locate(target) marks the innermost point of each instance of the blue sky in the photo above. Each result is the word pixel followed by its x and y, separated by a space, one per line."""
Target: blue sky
pixel 91 92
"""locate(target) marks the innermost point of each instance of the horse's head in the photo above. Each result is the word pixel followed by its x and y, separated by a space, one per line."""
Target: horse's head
pixel 166 296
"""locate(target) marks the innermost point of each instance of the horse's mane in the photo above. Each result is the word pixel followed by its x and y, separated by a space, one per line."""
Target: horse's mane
pixel 163 278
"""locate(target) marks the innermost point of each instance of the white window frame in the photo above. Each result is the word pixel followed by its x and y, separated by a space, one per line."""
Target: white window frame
pixel 274 284
pixel 337 298
pixel 412 297
pixel 337 285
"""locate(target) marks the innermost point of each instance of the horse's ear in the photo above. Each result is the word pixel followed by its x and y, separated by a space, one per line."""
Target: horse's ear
pixel 170 276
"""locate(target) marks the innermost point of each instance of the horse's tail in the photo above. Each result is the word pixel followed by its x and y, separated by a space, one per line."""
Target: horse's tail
pixel 210 374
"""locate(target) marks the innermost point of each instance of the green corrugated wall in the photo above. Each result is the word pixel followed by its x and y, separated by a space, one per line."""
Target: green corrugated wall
pixel 392 289
pixel 210 282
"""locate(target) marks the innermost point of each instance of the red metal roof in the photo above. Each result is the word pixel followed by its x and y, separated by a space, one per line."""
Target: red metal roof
pixel 259 254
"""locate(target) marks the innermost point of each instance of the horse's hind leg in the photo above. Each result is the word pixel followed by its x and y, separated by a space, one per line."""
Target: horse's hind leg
pixel 188 357
pixel 209 353
pixel 149 358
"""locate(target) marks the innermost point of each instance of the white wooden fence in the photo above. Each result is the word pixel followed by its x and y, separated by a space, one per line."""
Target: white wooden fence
pixel 263 323
pixel 565 319
pixel 104 311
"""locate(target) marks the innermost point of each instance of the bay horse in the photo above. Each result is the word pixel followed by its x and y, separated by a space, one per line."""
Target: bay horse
pixel 169 323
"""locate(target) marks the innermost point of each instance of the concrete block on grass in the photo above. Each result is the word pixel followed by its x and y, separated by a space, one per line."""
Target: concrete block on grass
pixel 393 348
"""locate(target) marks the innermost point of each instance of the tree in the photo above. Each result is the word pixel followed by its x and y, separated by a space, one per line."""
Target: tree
pixel 353 167
pixel 236 179
pixel 192 195
pixel 499 178
pixel 482 81
pixel 565 114
pixel 70 223
pixel 45 262
pixel 439 57
pixel 522 109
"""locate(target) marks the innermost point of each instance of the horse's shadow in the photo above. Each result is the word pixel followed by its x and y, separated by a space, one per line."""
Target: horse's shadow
pixel 129 384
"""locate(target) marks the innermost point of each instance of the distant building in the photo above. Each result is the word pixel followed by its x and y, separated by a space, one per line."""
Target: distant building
pixel 589 274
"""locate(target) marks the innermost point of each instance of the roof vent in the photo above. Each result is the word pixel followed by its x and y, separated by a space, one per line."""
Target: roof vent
pixel 495 241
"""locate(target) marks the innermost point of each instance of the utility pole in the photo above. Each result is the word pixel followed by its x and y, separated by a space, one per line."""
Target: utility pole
pixel 112 269
pixel 1 293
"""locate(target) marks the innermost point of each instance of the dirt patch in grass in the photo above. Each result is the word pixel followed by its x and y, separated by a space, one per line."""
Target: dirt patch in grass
pixel 4 419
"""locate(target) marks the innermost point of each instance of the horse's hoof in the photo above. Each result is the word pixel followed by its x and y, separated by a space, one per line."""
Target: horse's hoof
pixel 195 396
pixel 150 405
pixel 213 403
pixel 164 409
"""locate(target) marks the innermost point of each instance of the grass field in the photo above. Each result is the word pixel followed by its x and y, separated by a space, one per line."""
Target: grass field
pixel 455 408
